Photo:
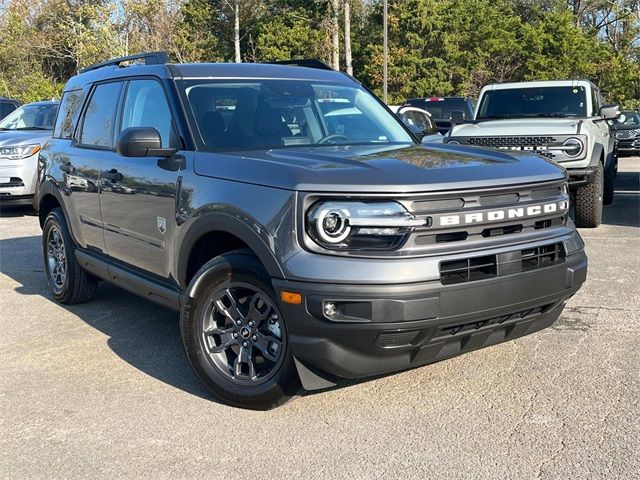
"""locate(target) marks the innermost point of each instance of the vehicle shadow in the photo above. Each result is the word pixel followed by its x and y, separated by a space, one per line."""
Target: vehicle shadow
pixel 145 335
pixel 7 211
pixel 625 209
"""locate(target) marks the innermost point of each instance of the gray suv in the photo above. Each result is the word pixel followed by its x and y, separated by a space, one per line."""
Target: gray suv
pixel 297 225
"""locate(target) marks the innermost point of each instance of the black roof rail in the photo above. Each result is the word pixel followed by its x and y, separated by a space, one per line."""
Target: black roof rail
pixel 150 58
pixel 305 62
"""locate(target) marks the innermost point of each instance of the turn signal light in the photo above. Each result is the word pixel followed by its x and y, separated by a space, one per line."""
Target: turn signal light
pixel 291 297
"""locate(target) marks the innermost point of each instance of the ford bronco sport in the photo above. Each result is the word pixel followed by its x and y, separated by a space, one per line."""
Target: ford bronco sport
pixel 301 231
pixel 563 121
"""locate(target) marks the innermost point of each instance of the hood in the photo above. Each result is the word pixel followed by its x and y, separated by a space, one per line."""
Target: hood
pixel 24 137
pixel 375 169
pixel 518 126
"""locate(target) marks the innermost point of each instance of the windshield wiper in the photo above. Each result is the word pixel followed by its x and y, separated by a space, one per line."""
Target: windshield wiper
pixel 34 128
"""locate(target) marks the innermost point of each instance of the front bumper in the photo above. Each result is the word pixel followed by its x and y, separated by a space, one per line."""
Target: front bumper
pixel 387 328
pixel 18 179
pixel 581 176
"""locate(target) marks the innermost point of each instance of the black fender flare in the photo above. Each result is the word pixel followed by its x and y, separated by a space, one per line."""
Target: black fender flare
pixel 610 157
pixel 596 154
pixel 230 224
pixel 49 187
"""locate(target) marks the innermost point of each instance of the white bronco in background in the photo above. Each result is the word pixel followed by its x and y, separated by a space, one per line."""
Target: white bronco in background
pixel 563 121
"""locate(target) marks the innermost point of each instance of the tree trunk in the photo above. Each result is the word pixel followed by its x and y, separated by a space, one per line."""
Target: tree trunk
pixel 335 35
pixel 236 30
pixel 347 37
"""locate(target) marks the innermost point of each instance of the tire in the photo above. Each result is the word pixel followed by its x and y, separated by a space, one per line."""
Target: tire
pixel 233 287
pixel 589 201
pixel 71 284
pixel 609 184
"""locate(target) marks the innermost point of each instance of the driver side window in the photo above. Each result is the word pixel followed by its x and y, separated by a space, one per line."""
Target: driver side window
pixel 146 105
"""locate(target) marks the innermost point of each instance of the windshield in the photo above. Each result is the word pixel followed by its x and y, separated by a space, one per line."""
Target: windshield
pixel 441 108
pixel 533 102
pixel 31 117
pixel 265 114
pixel 627 119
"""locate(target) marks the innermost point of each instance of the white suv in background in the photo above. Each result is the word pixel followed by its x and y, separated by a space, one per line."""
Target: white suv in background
pixel 22 134
pixel 564 121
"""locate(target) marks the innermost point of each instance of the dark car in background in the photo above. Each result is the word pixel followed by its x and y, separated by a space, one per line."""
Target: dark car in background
pixel 7 105
pixel 442 109
pixel 627 132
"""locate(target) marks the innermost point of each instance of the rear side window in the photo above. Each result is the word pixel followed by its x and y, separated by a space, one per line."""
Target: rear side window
pixel 595 102
pixel 146 105
pixel 100 116
pixel 68 114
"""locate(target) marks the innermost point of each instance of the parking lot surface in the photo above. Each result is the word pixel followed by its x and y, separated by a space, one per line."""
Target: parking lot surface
pixel 104 389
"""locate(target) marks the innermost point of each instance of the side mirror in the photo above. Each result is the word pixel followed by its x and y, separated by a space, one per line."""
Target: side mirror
pixel 142 142
pixel 457 117
pixel 609 111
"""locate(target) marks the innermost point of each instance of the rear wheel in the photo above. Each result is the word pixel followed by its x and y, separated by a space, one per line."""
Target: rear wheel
pixel 234 334
pixel 68 281
pixel 589 201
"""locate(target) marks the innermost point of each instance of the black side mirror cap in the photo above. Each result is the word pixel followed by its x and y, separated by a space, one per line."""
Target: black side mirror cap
pixel 142 142
pixel 457 117
pixel 610 111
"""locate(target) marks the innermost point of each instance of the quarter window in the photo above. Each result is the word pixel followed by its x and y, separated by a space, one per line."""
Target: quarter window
pixel 99 118
pixel 146 105
pixel 68 114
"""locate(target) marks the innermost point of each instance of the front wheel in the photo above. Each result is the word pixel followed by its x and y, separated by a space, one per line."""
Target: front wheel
pixel 589 201
pixel 234 335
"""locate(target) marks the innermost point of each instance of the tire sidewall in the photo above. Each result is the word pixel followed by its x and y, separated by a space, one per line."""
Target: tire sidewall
pixel 221 271
pixel 56 218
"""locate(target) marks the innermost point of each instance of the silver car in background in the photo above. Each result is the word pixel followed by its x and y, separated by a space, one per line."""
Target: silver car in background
pixel 22 134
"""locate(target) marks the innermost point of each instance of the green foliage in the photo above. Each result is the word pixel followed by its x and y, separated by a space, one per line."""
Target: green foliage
pixel 289 35
pixel 436 47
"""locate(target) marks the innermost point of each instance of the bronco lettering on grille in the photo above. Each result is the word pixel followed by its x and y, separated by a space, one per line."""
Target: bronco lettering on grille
pixel 503 214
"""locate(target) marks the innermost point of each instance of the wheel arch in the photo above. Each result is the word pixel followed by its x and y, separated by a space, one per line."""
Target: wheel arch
pixel 49 197
pixel 230 234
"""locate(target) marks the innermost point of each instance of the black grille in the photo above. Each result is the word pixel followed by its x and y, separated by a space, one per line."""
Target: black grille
pixel 396 339
pixel 625 134
pixel 496 142
pixel 479 268
pixel 468 270
pixel 471 327
pixel 538 257
pixel 13 182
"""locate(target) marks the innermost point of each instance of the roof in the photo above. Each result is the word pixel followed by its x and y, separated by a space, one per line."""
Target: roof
pixel 540 83
pixel 209 71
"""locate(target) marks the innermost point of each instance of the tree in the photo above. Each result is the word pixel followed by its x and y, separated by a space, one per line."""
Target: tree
pixel 347 37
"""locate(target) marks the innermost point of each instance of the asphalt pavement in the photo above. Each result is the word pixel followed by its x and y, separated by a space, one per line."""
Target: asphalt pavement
pixel 103 390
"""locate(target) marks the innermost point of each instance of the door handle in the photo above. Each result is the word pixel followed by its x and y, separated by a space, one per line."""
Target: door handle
pixel 113 175
pixel 67 167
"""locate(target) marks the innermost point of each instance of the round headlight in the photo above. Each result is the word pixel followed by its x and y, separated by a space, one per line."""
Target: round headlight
pixel 332 225
pixel 574 147
pixel 453 142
